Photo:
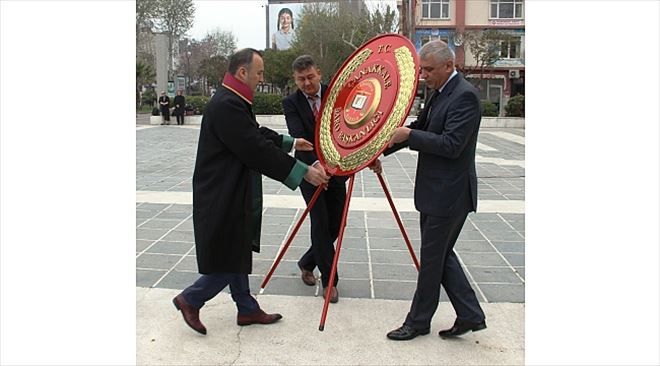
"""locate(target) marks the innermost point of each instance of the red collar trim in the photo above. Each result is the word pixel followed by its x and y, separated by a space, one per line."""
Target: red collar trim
pixel 238 87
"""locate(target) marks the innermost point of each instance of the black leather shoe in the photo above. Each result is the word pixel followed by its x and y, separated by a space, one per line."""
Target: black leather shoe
pixel 405 333
pixel 462 327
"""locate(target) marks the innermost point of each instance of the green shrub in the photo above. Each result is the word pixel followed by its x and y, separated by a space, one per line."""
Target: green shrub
pixel 149 98
pixel 198 102
pixel 262 103
pixel 267 104
pixel 489 109
pixel 516 106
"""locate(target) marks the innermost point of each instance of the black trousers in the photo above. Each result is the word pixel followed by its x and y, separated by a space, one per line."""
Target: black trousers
pixel 439 265
pixel 180 114
pixel 325 218
pixel 165 111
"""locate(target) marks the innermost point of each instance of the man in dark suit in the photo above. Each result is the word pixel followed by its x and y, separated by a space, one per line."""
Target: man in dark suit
pixel 300 110
pixel 232 153
pixel 445 135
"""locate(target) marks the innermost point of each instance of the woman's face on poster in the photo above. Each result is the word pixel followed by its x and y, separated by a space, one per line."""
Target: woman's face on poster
pixel 285 21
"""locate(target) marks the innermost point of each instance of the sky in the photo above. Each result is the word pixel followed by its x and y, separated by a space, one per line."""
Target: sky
pixel 246 19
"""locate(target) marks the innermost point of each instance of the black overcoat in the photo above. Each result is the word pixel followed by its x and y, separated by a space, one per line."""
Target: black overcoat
pixel 231 153
pixel 179 101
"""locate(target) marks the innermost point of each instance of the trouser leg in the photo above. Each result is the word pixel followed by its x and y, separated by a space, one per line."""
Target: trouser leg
pixel 240 292
pixel 335 198
pixel 322 249
pixel 432 257
pixel 205 288
pixel 460 293
pixel 307 260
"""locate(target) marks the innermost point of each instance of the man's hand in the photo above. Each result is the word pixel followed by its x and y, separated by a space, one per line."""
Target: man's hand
pixel 303 145
pixel 316 175
pixel 376 166
pixel 400 135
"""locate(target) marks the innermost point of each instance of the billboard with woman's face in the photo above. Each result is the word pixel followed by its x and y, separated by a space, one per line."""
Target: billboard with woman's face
pixel 282 19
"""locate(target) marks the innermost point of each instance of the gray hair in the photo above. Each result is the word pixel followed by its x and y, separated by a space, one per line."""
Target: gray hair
pixel 438 50
pixel 302 63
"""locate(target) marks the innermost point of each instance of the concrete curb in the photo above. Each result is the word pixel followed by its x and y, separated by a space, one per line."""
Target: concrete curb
pixel 278 121
pixel 354 334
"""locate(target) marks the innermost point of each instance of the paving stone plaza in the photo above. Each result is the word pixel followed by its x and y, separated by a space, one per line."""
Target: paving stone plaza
pixel 374 260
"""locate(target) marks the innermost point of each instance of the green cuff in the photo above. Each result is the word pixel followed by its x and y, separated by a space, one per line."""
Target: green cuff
pixel 296 175
pixel 287 143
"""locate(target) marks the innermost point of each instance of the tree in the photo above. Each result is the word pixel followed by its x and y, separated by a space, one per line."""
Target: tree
pixel 144 75
pixel 278 67
pixel 366 25
pixel 485 46
pixel 145 13
pixel 213 69
pixel 174 17
pixel 223 41
pixel 330 32
pixel 194 54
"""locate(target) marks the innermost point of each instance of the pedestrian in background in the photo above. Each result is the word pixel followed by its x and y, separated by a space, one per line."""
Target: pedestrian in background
pixel 232 153
pixel 179 107
pixel 164 104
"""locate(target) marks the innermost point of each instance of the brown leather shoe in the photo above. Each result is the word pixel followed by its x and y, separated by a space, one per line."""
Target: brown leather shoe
pixel 190 314
pixel 334 294
pixel 257 317
pixel 307 276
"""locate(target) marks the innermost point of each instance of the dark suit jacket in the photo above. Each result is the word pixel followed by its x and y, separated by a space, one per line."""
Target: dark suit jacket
pixel 446 140
pixel 300 122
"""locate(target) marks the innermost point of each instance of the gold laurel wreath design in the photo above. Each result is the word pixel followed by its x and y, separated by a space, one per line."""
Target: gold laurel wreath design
pixel 406 66
pixel 331 154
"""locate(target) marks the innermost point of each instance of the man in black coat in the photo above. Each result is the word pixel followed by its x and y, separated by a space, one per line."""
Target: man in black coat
pixel 179 107
pixel 445 135
pixel 300 111
pixel 232 153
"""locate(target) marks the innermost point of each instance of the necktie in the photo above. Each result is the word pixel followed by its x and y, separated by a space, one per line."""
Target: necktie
pixel 430 101
pixel 427 110
pixel 312 101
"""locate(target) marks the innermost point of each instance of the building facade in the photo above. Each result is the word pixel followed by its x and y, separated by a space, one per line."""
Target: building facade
pixel 454 21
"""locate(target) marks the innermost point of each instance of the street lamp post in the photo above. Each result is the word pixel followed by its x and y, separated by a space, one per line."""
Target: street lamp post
pixel 188 53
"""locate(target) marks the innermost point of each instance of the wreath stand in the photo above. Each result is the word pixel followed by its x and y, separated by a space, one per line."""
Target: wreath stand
pixel 342 226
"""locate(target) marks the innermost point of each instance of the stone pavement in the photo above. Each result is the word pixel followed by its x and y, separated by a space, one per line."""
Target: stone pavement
pixel 376 271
